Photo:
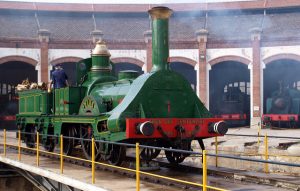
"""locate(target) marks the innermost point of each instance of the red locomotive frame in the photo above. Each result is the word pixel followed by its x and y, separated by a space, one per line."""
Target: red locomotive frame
pixel 232 116
pixel 168 125
pixel 280 117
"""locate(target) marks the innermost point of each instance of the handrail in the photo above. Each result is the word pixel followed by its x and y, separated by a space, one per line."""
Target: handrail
pixel 137 164
pixel 37 149
pixel 227 134
pixel 93 162
pixel 174 150
pixel 61 154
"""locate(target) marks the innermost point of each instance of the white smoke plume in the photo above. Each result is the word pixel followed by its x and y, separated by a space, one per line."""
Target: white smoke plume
pixel 129 1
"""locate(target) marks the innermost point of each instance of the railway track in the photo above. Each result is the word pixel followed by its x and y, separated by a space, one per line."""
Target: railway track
pixel 128 163
pixel 277 181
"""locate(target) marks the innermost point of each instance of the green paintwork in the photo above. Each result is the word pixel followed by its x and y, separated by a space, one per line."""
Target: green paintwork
pixel 150 95
pixel 128 75
pixel 35 102
pixel 160 44
pixel 100 73
pixel 100 67
pixel 104 97
pixel 67 100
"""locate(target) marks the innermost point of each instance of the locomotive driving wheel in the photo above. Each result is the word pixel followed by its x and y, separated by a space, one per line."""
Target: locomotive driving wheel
pixel 68 142
pixel 150 153
pixel 86 134
pixel 30 137
pixel 174 157
pixel 117 154
pixel 49 144
pixel 293 124
pixel 177 157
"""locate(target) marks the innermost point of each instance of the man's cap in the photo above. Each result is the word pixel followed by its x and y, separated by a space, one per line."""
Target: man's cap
pixel 58 65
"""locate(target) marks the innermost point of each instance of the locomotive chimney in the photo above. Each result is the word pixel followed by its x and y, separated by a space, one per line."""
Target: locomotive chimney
pixel 160 37
pixel 100 61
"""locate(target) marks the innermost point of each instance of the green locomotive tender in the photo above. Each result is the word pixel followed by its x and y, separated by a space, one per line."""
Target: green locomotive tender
pixel 158 108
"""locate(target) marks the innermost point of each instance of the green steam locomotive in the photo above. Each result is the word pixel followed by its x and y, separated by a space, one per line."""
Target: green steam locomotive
pixel 158 108
pixel 282 108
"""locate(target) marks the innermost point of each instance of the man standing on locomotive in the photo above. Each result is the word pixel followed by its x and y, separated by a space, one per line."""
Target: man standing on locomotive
pixel 59 78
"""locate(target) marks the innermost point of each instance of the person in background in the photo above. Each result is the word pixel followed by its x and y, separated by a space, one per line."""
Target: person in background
pixel 59 78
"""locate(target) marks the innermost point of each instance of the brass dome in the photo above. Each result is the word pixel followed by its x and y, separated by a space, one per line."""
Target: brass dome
pixel 101 49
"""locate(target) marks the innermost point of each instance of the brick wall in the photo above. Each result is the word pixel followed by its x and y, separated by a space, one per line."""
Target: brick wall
pixel 256 64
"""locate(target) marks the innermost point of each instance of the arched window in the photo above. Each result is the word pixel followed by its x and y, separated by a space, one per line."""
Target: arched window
pixel 296 85
pixel 8 91
pixel 243 86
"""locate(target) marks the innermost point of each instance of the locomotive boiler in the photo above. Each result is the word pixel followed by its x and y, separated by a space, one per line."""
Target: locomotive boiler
pixel 158 108
pixel 283 108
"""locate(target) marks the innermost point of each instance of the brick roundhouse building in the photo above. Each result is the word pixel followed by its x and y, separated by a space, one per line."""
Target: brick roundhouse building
pixel 251 45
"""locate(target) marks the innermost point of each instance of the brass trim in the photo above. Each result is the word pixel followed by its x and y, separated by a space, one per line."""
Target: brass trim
pixel 101 49
pixel 100 69
pixel 160 12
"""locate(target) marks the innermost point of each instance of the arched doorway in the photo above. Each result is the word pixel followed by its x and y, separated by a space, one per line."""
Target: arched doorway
pixel 70 69
pixel 11 74
pixel 69 65
pixel 185 70
pixel 229 92
pixel 282 92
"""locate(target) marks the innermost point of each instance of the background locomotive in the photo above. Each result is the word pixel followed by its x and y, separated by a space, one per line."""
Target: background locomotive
pixel 158 108
pixel 233 105
pixel 283 108
pixel 8 105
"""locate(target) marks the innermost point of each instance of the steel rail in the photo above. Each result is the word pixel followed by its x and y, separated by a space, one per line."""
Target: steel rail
pixel 262 136
pixel 255 160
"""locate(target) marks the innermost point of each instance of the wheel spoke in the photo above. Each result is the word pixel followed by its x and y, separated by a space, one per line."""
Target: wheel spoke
pixel 149 154
pixel 117 155
pixel 87 144
pixel 30 138
pixel 49 145
pixel 68 143
pixel 177 157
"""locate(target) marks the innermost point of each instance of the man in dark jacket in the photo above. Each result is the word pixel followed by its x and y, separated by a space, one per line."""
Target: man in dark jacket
pixel 59 78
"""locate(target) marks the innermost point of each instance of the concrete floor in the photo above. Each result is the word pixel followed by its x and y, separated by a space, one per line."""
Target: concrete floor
pixel 249 147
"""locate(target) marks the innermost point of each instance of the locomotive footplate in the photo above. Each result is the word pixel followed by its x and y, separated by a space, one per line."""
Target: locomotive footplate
pixel 193 128
pixel 232 116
